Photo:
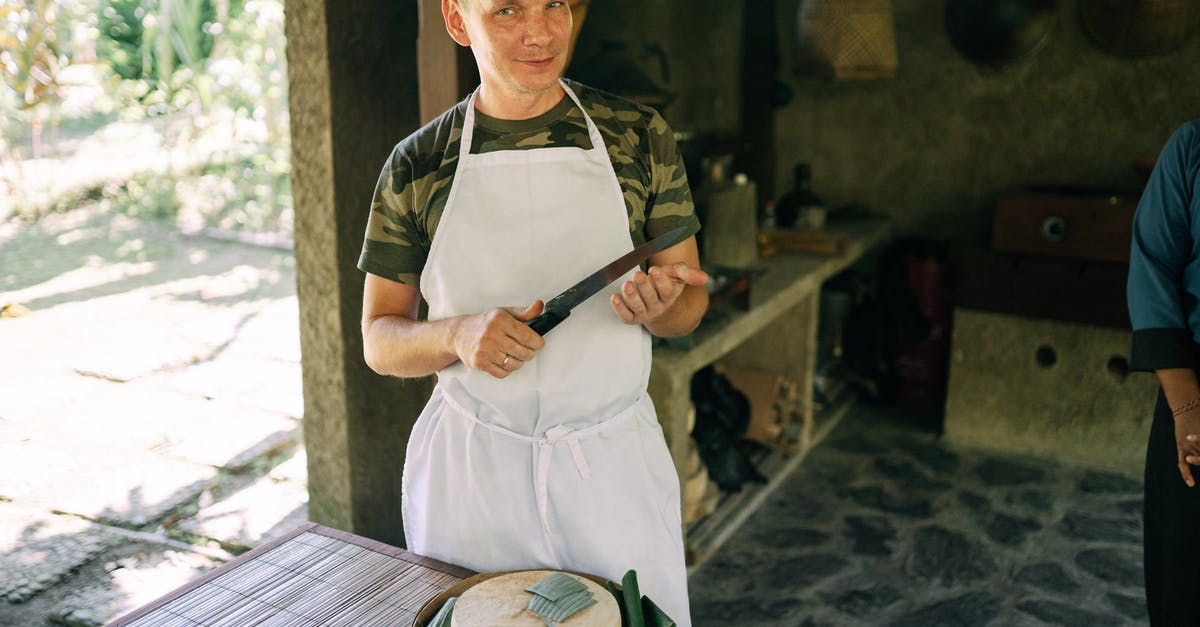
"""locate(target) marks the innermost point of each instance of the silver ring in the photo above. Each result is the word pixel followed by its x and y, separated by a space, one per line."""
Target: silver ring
pixel 505 362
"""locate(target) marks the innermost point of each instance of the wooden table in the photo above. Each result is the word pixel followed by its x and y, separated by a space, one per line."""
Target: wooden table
pixel 312 575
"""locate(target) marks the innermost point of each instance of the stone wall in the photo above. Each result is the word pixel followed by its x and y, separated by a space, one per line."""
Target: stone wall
pixel 934 146
pixel 702 43
pixel 1031 386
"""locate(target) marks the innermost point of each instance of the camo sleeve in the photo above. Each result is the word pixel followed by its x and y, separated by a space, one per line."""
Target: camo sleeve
pixel 394 247
pixel 647 162
pixel 409 199
pixel 669 203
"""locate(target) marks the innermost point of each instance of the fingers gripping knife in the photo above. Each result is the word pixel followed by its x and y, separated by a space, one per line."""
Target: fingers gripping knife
pixel 559 307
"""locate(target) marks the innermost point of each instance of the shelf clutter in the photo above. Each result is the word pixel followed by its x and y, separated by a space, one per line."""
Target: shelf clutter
pixel 711 515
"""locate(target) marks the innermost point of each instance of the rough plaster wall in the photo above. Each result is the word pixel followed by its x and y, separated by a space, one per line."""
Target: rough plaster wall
pixel 312 173
pixel 1000 397
pixel 934 146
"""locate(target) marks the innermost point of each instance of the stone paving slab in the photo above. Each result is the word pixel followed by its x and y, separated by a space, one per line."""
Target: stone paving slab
pixel 263 510
pixel 125 487
pixel 131 583
pixel 104 339
pixel 99 254
pixel 294 469
pixel 38 549
pixel 239 377
pixel 273 333
pixel 27 397
pixel 117 360
pixel 178 321
pixel 145 418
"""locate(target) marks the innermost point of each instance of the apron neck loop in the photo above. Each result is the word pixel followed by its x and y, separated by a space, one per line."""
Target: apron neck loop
pixel 464 146
pixel 468 131
pixel 593 132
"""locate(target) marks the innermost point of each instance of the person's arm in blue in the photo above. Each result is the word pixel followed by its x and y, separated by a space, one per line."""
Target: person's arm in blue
pixel 1163 246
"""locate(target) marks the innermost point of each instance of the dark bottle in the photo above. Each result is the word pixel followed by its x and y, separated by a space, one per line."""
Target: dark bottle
pixel 800 198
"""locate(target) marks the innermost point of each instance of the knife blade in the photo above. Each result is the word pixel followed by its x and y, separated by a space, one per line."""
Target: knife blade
pixel 558 308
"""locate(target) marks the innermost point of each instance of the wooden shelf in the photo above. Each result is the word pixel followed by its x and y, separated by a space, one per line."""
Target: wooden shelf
pixel 787 279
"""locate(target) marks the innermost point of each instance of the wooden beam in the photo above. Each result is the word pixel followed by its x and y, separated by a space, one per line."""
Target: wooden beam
pixel 437 62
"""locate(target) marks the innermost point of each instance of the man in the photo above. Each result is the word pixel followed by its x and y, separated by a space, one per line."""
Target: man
pixel 1164 306
pixel 534 452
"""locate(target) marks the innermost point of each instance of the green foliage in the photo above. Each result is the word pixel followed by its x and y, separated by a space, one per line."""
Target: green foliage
pixel 31 54
pixel 209 73
pixel 148 39
pixel 249 194
pixel 120 40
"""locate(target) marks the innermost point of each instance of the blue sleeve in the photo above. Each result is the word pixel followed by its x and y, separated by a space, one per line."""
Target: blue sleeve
pixel 1161 249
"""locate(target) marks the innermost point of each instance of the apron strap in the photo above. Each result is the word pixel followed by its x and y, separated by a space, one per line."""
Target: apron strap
pixel 561 432
pixel 593 131
pixel 468 131
pixel 545 447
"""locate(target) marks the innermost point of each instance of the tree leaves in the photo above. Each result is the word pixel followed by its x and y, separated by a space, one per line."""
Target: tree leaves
pixel 30 53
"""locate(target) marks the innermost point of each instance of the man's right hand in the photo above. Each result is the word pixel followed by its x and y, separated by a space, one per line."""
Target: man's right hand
pixel 498 341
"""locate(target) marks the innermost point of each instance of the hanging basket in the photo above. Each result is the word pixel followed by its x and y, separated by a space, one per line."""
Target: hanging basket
pixel 846 39
pixel 1138 28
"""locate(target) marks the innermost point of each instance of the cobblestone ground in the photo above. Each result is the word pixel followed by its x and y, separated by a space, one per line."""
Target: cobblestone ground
pixel 150 411
pixel 883 524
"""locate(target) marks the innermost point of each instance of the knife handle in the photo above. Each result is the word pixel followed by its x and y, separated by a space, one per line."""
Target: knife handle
pixel 548 320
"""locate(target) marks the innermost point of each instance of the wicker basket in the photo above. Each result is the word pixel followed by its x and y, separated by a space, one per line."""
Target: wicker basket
pixel 1139 27
pixel 846 39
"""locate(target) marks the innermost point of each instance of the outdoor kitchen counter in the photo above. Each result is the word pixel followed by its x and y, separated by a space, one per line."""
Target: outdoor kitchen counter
pixel 778 333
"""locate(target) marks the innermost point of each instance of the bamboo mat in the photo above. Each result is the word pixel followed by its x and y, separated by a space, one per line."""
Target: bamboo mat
pixel 313 575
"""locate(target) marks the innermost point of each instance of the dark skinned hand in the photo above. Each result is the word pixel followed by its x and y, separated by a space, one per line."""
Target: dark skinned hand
pixel 1187 443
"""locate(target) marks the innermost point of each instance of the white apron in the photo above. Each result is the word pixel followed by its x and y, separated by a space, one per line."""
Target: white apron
pixel 562 464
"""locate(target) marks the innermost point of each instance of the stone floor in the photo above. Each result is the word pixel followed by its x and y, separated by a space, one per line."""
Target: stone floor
pixel 149 431
pixel 884 524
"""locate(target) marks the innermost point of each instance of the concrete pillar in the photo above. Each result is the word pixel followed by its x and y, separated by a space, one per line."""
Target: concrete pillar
pixel 352 95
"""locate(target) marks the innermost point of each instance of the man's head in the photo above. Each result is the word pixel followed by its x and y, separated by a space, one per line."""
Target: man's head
pixel 520 46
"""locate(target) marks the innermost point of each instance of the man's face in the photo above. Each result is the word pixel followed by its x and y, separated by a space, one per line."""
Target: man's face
pixel 520 45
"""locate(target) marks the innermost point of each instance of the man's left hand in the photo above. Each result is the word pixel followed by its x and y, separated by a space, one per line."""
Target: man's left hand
pixel 647 296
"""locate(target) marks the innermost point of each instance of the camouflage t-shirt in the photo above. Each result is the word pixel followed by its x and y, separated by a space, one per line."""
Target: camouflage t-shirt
pixel 416 178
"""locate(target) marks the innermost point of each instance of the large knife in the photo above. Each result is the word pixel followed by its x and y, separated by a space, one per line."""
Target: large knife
pixel 559 307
